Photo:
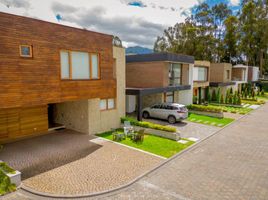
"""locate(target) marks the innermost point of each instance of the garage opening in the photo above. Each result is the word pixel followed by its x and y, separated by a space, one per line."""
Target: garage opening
pixel 52 124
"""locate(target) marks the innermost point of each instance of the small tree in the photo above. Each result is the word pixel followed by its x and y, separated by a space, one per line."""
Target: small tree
pixel 231 90
pixel 214 97
pixel 239 100
pixel 227 95
pixel 219 95
pixel 222 99
pixel 253 93
pixel 209 97
pixel 230 99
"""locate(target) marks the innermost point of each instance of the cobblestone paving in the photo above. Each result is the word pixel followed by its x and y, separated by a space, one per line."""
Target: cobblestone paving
pixel 40 154
pixel 190 129
pixel 109 167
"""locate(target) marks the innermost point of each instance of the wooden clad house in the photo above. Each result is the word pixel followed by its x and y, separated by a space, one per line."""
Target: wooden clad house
pixel 47 71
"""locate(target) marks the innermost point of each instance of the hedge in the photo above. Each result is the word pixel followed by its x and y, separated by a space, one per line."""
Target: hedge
pixel 5 184
pixel 204 108
pixel 260 102
pixel 135 122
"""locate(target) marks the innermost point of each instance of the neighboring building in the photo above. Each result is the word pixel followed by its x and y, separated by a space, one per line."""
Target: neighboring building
pixel 57 76
pixel 253 73
pixel 239 76
pixel 156 78
pixel 221 77
pixel 201 76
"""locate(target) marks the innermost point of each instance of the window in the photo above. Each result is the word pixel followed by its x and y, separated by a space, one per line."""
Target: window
pixel 202 73
pixel 79 65
pixel 228 74
pixel 169 97
pixel 26 51
pixel 107 104
pixel 103 104
pixel 175 74
pixel 65 67
pixel 95 66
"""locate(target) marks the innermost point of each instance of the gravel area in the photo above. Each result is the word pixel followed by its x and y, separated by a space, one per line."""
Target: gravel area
pixel 108 167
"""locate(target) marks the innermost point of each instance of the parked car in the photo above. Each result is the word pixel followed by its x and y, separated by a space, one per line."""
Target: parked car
pixel 172 112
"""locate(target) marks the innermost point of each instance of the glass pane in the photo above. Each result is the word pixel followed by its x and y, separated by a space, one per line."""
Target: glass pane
pixel 80 65
pixel 95 66
pixel 64 61
pixel 25 51
pixel 110 103
pixel 177 70
pixel 103 104
pixel 202 74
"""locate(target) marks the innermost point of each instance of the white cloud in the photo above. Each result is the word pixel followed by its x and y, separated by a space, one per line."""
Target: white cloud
pixel 135 25
pixel 234 2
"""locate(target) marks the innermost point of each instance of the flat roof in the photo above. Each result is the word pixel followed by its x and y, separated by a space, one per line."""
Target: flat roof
pixel 146 91
pixel 171 57
pixel 220 84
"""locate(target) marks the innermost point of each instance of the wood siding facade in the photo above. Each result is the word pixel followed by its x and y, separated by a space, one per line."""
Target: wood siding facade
pixel 31 83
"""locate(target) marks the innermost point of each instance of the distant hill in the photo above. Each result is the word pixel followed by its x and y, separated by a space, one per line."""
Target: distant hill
pixel 138 50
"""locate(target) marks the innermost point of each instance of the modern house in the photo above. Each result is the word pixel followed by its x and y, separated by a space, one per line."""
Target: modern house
pixel 253 74
pixel 156 78
pixel 57 76
pixel 201 76
pixel 221 77
pixel 239 76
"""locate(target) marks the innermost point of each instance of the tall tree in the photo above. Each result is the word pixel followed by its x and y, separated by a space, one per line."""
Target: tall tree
pixel 231 39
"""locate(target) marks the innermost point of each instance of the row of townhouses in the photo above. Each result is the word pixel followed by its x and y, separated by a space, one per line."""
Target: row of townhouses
pixel 54 76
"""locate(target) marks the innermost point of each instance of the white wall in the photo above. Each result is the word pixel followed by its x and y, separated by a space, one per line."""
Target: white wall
pixel 130 103
pixel 255 73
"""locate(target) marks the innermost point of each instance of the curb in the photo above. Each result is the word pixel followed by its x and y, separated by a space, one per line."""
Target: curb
pixel 112 191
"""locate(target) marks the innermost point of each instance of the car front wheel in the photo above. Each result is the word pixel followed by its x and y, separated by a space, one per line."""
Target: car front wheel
pixel 171 120
pixel 146 115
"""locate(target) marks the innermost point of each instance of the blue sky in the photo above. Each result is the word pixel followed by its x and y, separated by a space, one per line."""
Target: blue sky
pixel 136 22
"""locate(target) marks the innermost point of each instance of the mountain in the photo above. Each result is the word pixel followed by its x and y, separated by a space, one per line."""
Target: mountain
pixel 138 50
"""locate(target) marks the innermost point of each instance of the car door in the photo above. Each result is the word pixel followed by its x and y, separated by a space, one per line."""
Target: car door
pixel 154 111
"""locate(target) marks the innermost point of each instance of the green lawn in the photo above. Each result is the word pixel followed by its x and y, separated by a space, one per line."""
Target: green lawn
pixel 238 110
pixel 219 122
pixel 153 144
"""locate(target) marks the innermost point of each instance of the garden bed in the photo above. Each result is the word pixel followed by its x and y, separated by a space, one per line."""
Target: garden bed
pixel 153 144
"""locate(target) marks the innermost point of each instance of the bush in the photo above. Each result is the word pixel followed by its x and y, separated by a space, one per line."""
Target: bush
pixel 250 101
pixel 208 108
pixel 5 184
pixel 135 122
pixel 214 97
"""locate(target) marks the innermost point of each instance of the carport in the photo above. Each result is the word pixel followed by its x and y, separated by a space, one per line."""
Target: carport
pixel 140 92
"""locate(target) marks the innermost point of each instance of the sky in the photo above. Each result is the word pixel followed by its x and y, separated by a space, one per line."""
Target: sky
pixel 135 22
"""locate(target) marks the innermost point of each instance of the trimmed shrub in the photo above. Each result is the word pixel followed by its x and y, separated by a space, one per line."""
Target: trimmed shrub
pixel 5 184
pixel 204 108
pixel 222 99
pixel 135 122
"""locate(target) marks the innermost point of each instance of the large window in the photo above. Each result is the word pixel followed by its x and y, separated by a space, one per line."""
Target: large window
pixel 175 74
pixel 202 74
pixel 79 65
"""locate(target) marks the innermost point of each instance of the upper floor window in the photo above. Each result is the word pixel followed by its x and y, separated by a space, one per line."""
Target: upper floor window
pixel 26 51
pixel 79 65
pixel 228 74
pixel 202 73
pixel 175 74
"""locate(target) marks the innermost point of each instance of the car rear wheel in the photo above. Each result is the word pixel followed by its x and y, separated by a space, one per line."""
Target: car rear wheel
pixel 145 115
pixel 171 119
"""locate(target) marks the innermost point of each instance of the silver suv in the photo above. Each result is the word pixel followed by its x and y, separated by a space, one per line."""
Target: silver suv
pixel 172 112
